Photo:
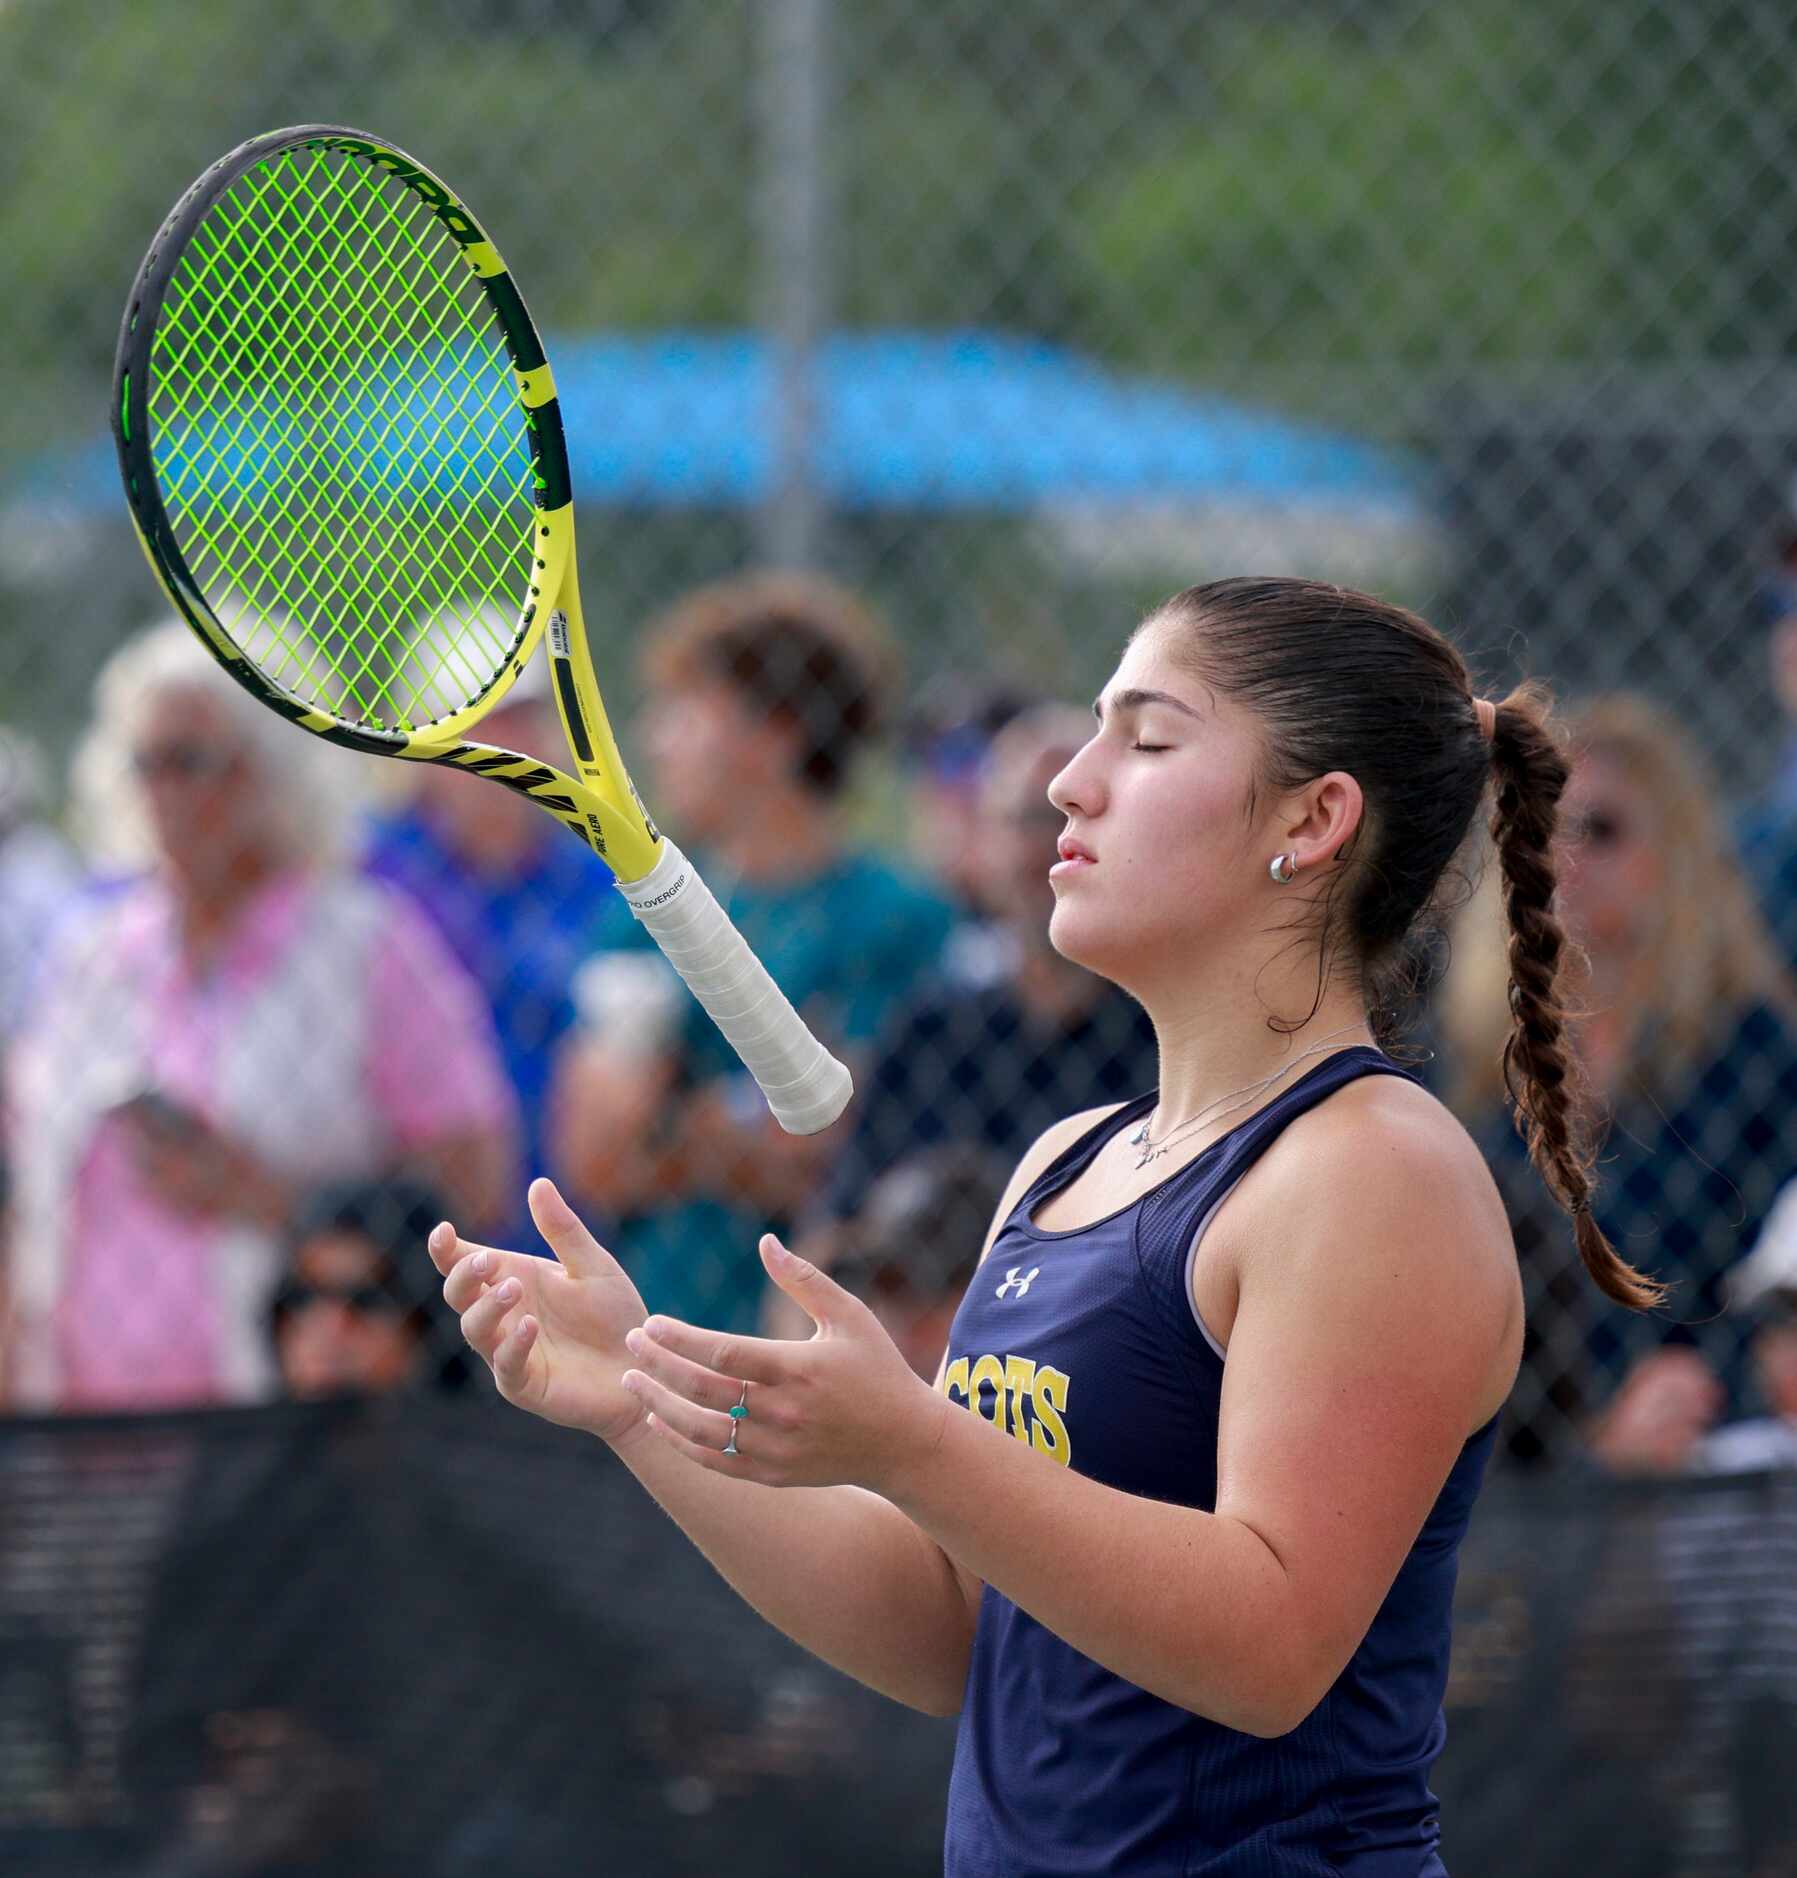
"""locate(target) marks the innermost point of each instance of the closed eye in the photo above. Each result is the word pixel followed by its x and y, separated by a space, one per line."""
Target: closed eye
pixel 1149 749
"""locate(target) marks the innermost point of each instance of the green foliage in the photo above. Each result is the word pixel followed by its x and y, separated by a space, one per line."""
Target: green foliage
pixel 1255 196
pixel 1487 186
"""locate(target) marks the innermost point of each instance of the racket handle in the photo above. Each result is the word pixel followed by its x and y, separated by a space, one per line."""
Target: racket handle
pixel 804 1084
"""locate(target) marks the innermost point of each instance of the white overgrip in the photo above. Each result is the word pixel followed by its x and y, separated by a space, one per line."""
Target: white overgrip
pixel 806 1087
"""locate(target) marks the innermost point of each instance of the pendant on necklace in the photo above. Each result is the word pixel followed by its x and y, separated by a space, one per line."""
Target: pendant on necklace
pixel 1149 1154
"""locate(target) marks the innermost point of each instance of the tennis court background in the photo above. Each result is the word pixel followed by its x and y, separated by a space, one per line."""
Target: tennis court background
pixel 1035 312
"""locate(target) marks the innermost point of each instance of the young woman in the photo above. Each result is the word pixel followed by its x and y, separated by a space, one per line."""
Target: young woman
pixel 1689 1042
pixel 1235 1354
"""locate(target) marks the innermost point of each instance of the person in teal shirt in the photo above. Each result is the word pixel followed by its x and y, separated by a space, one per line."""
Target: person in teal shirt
pixel 762 692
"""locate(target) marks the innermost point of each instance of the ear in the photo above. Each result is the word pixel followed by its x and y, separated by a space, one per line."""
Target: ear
pixel 1320 819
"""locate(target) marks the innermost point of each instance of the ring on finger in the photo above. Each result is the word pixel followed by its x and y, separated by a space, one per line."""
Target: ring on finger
pixel 738 1415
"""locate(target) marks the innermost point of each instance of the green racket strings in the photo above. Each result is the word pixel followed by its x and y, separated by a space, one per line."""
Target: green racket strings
pixel 337 436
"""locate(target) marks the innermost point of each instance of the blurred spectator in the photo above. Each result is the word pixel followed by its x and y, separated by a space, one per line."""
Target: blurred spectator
pixel 1768 830
pixel 1687 1038
pixel 948 743
pixel 353 1313
pixel 993 1065
pixel 39 877
pixel 1661 1416
pixel 763 691
pixel 1764 1286
pixel 519 902
pixel 913 1246
pixel 244 1020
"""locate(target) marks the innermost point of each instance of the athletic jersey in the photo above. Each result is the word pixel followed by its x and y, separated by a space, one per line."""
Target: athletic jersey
pixel 1086 1345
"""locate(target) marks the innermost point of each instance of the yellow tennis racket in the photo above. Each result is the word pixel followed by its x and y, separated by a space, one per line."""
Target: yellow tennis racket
pixel 343 452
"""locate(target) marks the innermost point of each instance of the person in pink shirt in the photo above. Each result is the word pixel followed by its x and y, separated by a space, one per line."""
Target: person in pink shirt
pixel 236 1023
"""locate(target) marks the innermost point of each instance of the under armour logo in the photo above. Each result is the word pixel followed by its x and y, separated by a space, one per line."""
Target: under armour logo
pixel 1018 1284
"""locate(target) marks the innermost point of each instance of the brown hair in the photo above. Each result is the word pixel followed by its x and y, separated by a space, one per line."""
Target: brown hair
pixel 1341 681
pixel 796 646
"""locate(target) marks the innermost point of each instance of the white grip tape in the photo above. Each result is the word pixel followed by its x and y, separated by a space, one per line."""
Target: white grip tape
pixel 804 1084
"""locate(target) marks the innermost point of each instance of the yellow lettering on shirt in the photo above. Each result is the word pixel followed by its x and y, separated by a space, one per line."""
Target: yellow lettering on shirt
pixel 954 1379
pixel 988 1373
pixel 1020 1376
pixel 1029 1399
pixel 1049 1434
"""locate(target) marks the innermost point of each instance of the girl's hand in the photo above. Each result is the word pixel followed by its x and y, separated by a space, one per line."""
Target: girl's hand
pixel 551 1330
pixel 843 1407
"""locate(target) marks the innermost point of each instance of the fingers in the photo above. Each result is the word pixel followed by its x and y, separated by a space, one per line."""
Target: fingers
pixel 734 1466
pixel 511 1359
pixel 815 1292
pixel 579 1252
pixel 483 1292
pixel 479 1267
pixel 704 1428
pixel 484 1319
pixel 698 1385
pixel 747 1359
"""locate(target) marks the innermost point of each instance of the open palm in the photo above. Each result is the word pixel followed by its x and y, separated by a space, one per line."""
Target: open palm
pixel 551 1331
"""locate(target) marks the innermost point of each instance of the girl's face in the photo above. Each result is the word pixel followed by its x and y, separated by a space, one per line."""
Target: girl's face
pixel 1163 857
pixel 1611 873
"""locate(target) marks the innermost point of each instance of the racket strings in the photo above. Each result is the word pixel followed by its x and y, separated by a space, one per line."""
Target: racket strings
pixel 413 559
pixel 340 445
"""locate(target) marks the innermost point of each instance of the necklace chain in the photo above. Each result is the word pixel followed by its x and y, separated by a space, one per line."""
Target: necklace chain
pixel 1152 1150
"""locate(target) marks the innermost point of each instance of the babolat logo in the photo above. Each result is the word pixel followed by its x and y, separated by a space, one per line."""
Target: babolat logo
pixel 448 211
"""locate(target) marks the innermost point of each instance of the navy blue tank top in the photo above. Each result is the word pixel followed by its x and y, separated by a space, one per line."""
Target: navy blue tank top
pixel 1086 1345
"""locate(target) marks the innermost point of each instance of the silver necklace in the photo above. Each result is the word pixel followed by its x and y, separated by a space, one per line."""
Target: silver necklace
pixel 1236 1099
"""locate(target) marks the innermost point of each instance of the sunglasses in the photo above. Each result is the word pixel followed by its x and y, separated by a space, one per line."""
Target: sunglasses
pixel 296 1295
pixel 182 762
pixel 1598 828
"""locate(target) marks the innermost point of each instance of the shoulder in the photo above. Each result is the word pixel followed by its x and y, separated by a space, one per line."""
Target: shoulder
pixel 1383 1135
pixel 383 923
pixel 114 918
pixel 1378 1203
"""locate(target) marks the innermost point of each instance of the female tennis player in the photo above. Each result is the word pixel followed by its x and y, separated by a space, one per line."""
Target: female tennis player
pixel 1176 1533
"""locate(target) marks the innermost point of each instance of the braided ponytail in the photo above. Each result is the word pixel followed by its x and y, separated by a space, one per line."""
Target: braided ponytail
pixel 1552 1110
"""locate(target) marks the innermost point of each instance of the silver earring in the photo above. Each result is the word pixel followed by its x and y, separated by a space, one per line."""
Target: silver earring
pixel 1281 868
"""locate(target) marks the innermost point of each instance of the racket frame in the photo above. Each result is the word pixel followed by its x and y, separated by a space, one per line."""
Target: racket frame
pixel 805 1086
pixel 599 802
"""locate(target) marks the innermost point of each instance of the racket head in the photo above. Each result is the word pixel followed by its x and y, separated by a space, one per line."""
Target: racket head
pixel 340 440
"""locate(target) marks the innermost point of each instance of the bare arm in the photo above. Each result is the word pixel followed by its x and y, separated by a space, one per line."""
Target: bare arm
pixel 1375 1312
pixel 839 1569
pixel 1373 1331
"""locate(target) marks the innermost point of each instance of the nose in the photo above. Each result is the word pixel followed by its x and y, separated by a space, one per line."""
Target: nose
pixel 1078 789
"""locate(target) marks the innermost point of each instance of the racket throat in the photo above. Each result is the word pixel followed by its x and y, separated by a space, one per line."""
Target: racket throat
pixel 567 692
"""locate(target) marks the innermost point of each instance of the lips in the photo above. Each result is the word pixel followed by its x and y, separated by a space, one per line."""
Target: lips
pixel 1074 855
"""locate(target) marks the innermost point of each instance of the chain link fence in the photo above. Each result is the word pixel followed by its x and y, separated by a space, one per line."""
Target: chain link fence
pixel 1006 322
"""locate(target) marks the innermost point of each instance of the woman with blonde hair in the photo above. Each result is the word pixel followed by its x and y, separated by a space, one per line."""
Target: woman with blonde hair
pixel 1685 1032
pixel 239 1018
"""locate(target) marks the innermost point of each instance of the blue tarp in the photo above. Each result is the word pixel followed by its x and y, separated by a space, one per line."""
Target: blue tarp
pixel 906 420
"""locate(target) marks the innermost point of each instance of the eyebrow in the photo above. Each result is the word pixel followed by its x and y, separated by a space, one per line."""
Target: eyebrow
pixel 1134 699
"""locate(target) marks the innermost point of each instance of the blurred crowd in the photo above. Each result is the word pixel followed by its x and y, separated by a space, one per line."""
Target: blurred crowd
pixel 268 1011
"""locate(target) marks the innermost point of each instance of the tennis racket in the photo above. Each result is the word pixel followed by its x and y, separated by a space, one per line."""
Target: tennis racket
pixel 344 456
